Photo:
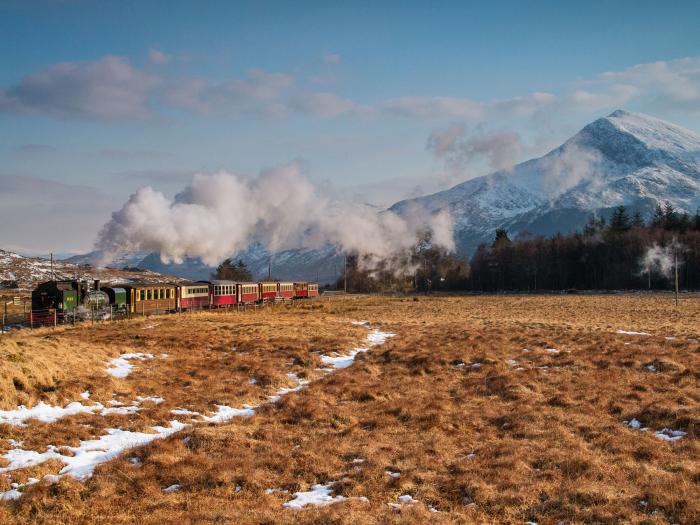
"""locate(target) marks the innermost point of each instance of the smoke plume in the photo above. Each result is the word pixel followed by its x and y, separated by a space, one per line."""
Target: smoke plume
pixel 220 214
pixel 661 259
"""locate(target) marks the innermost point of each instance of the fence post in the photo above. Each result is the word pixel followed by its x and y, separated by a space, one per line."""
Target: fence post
pixel 55 318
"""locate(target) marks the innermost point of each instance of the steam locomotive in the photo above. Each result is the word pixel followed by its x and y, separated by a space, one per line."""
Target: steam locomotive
pixel 143 298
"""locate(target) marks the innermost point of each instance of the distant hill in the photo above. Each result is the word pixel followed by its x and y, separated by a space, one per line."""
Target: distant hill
pixel 17 271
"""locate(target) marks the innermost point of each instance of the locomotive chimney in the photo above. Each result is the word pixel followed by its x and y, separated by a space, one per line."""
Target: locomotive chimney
pixel 97 285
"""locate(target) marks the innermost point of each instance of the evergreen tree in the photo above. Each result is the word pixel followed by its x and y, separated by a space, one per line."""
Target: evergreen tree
pixel 230 271
pixel 637 220
pixel 620 221
pixel 501 238
pixel 658 220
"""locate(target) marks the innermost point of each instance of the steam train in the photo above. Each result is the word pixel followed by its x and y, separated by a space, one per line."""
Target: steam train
pixel 144 298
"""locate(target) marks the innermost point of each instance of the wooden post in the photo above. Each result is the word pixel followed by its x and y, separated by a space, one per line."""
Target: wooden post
pixel 31 319
pixel 55 318
pixel 675 254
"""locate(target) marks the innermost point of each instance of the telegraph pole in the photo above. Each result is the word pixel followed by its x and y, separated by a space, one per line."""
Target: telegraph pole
pixel 675 257
pixel 345 274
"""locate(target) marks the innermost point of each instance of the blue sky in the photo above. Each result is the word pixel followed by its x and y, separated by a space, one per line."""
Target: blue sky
pixel 100 98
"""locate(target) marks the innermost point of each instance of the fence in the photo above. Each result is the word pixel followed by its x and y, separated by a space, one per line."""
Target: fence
pixel 49 317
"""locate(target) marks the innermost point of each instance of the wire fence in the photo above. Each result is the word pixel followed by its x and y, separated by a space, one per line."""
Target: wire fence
pixel 41 318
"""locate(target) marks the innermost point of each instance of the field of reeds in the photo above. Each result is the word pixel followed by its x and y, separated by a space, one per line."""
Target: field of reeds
pixel 480 409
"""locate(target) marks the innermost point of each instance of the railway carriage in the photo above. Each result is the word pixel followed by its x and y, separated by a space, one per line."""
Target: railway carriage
pixel 150 298
pixel 193 295
pixel 312 290
pixel 268 291
pixel 301 290
pixel 285 290
pixel 247 293
pixel 223 293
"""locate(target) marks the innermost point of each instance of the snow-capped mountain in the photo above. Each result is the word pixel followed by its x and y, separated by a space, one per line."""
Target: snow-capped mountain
pixel 624 158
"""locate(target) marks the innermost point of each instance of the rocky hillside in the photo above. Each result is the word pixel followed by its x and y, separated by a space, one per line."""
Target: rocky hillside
pixel 17 271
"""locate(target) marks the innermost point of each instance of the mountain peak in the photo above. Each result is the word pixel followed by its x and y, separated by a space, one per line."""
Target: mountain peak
pixel 619 113
pixel 632 131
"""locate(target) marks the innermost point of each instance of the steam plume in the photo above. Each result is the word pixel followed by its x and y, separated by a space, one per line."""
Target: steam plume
pixel 220 214
pixel 660 259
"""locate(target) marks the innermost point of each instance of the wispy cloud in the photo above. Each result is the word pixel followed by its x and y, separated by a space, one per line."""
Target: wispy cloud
pixel 158 57
pixel 111 88
pixel 331 58
pixel 460 149
pixel 106 89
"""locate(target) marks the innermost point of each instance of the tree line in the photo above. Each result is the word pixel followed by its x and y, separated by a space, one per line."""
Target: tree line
pixel 622 252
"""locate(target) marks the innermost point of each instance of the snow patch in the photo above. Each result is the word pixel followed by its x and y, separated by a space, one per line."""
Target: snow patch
pixel 120 367
pixel 630 332
pixel 317 496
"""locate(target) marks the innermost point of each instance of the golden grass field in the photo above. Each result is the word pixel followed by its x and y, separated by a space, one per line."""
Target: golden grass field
pixel 532 435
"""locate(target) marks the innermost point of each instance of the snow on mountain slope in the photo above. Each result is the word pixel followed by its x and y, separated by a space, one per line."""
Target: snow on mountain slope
pixel 622 159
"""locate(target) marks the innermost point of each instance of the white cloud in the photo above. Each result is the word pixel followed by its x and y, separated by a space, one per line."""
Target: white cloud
pixel 106 89
pixel 158 57
pixel 324 105
pixel 498 150
pixel 617 95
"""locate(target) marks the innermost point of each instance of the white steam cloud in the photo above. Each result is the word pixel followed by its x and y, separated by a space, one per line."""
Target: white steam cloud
pixel 661 259
pixel 220 214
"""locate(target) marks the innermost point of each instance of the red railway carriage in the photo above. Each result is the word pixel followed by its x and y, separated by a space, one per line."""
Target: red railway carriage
pixel 247 293
pixel 313 290
pixel 301 290
pixel 285 290
pixel 223 293
pixel 268 290
pixel 193 295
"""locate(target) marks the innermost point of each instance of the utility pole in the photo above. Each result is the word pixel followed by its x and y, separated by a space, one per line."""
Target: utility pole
pixel 675 257
pixel 269 269
pixel 345 274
